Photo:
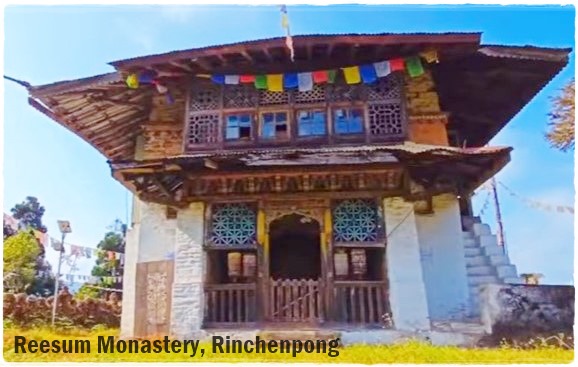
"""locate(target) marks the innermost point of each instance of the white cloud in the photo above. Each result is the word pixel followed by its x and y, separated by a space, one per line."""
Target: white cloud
pixel 177 13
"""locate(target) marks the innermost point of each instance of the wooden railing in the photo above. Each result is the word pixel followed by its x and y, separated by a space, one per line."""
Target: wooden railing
pixel 230 304
pixel 360 302
pixel 296 300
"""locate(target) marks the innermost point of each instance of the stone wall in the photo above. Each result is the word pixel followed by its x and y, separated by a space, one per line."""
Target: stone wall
pixel 427 123
pixel 443 259
pixel 176 244
pixel 516 311
pixel 163 133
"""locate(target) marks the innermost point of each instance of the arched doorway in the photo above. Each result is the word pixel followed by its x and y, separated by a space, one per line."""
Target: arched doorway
pixel 295 293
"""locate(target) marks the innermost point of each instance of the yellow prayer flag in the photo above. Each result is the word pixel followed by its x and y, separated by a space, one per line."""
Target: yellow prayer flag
pixel 430 56
pixel 275 82
pixel 352 75
pixel 284 21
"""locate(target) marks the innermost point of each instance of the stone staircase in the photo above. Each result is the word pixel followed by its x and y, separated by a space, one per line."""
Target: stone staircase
pixel 486 262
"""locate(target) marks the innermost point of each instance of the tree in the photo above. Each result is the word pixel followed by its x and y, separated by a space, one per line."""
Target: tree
pixel 29 213
pixel 561 134
pixel 20 254
pixel 106 266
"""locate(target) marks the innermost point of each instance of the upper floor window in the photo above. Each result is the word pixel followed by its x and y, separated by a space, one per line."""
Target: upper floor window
pixel 311 123
pixel 239 126
pixel 348 121
pixel 274 125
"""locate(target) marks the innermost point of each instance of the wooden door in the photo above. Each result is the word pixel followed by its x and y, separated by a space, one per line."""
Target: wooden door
pixel 296 301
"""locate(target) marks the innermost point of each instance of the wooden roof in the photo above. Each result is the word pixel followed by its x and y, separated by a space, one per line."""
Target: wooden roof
pixel 481 87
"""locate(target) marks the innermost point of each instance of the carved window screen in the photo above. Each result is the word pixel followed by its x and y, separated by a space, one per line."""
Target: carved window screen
pixel 203 129
pixel 267 98
pixel 233 224
pixel 386 89
pixel 240 96
pixel 356 220
pixel 315 95
pixel 205 97
pixel 385 119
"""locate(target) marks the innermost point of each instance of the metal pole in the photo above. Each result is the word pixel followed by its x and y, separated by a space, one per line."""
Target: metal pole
pixel 55 302
pixel 501 240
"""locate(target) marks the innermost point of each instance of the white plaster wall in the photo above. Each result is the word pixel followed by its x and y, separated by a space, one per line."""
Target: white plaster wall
pixel 407 294
pixel 156 233
pixel 188 296
pixel 443 259
pixel 127 321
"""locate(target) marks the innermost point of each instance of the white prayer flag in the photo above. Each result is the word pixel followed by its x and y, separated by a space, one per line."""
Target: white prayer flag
pixel 305 82
pixel 382 68
pixel 231 79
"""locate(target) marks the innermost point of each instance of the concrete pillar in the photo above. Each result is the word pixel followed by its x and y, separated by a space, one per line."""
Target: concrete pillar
pixel 407 294
pixel 189 259
pixel 127 320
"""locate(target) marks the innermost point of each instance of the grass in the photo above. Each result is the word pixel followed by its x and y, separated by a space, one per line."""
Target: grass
pixel 407 352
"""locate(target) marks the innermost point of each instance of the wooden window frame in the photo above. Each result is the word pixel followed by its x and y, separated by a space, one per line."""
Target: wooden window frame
pixel 238 142
pixel 260 123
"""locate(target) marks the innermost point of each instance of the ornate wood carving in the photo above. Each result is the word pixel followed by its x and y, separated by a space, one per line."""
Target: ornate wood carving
pixel 157 298
pixel 312 209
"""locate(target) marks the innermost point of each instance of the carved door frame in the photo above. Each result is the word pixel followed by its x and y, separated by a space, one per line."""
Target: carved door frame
pixel 316 209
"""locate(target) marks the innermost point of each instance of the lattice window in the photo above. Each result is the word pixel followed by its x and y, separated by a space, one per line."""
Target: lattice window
pixel 267 98
pixel 386 89
pixel 205 98
pixel 355 220
pixel 233 224
pixel 240 96
pixel 203 128
pixel 385 119
pixel 315 95
pixel 345 92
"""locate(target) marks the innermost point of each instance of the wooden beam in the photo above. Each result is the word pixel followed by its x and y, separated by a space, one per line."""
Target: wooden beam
pixel 155 180
pixel 203 63
pixel 209 163
pixel 180 65
pixel 246 55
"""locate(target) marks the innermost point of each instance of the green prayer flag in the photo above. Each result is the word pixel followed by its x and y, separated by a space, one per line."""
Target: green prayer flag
pixel 261 81
pixel 331 75
pixel 414 66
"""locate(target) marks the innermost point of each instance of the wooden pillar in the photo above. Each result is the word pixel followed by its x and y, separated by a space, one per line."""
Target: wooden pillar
pixel 263 267
pixel 327 263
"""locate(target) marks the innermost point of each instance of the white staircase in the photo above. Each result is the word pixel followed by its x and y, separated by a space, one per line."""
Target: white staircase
pixel 486 262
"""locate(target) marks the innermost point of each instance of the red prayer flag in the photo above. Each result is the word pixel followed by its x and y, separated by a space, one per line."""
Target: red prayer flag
pixel 320 76
pixel 396 64
pixel 247 78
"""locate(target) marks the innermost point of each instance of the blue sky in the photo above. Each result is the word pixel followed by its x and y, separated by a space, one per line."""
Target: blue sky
pixel 72 180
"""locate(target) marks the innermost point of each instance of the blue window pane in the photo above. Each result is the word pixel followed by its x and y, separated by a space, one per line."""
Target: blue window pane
pixel 232 133
pixel 304 130
pixel 268 117
pixel 281 117
pixel 355 125
pixel 341 126
pixel 245 120
pixel 348 121
pixel 232 121
pixel 269 130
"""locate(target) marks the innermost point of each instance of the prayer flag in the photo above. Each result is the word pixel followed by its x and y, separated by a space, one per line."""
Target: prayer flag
pixel 162 89
pixel 132 81
pixel 368 73
pixel 414 66
pixel 331 76
pixel 261 82
pixel 396 64
pixel 382 68
pixel 247 78
pixel 290 80
pixel 352 75
pixel 320 76
pixel 275 82
pixel 219 79
pixel 231 79
pixel 169 98
pixel 147 76
pixel 305 82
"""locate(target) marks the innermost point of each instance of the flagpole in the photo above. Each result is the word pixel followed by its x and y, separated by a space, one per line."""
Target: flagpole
pixel 56 283
pixel 501 240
